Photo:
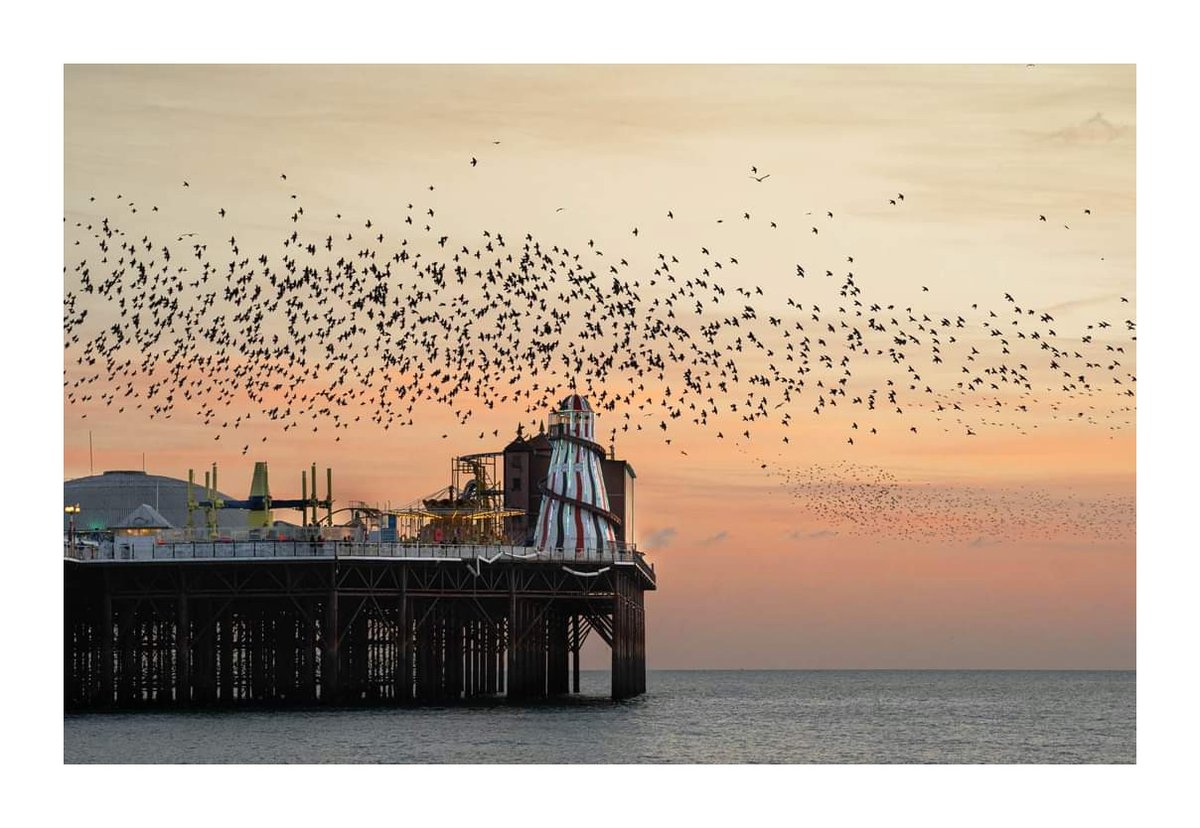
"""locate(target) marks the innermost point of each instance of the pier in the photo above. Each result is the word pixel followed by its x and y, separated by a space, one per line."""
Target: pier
pixel 201 624
pixel 486 588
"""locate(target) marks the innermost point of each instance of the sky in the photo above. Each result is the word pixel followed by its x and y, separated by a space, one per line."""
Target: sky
pixel 1011 546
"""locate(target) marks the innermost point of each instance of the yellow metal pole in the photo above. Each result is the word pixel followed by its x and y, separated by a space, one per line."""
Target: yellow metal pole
pixel 207 501
pixel 315 520
pixel 191 501
pixel 304 498
pixel 214 521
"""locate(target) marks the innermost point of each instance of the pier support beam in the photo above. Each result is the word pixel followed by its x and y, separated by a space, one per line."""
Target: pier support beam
pixel 204 665
pixel 225 644
pixel 183 652
pixel 491 633
pixel 287 644
pixel 403 640
pixel 330 652
pixel 354 653
pixel 519 668
pixel 515 688
pixel 454 655
pixel 107 654
pixel 504 636
pixel 576 644
pixel 427 663
pixel 258 653
pixel 310 644
pixel 71 692
pixel 558 666
pixel 628 658
pixel 127 656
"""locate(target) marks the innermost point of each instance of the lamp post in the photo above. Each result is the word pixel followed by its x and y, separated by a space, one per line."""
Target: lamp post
pixel 71 510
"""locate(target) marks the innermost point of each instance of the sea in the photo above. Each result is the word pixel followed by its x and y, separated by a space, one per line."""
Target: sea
pixel 686 717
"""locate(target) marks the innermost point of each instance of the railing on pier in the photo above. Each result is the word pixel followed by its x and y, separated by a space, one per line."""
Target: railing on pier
pixel 335 549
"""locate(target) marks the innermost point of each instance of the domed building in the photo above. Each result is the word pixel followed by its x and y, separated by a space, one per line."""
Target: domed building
pixel 107 499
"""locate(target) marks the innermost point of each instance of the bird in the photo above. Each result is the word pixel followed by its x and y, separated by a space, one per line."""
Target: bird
pixel 761 178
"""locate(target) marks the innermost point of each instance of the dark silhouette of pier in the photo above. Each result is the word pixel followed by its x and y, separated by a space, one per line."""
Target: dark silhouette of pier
pixel 283 623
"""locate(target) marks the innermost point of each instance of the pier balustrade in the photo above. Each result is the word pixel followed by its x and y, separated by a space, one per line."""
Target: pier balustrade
pixel 148 549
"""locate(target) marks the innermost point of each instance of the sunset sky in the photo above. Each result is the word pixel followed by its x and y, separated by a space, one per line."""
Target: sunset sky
pixel 1009 541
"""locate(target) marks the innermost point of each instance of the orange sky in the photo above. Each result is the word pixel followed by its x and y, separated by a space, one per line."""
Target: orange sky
pixel 1012 547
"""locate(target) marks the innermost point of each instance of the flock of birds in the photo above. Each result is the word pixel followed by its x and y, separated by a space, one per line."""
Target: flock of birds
pixel 362 325
pixel 867 500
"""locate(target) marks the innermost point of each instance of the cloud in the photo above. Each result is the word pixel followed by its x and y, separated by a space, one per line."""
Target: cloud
pixel 1095 130
pixel 715 539
pixel 660 538
pixel 817 535
pixel 1072 304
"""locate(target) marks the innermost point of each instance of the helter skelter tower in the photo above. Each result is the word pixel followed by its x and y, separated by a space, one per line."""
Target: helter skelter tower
pixel 574 515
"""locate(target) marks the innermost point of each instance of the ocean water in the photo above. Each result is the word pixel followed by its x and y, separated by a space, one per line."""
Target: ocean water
pixel 693 717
